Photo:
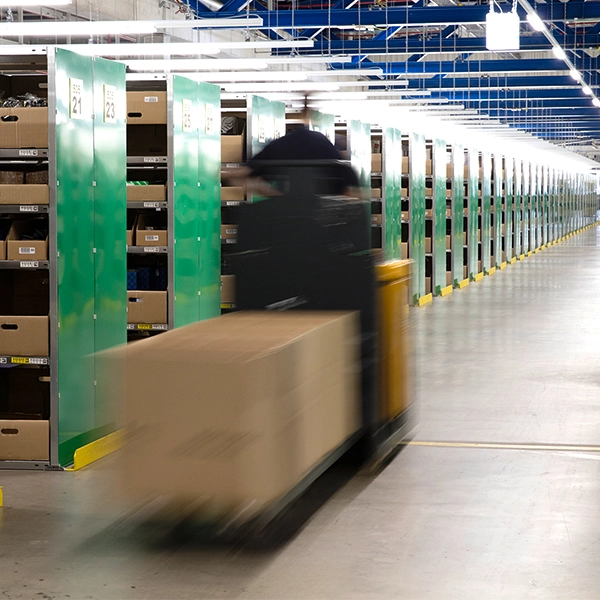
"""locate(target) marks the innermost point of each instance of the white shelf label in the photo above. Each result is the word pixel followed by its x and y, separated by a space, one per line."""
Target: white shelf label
pixel 151 159
pixel 29 264
pixel 28 153
pixel 3 360
pixel 151 248
pixel 209 119
pixel 186 126
pixel 110 91
pixel 75 98
pixel 151 204
pixel 25 208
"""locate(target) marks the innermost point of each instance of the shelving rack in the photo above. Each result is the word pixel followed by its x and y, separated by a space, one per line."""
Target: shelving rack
pixel 55 402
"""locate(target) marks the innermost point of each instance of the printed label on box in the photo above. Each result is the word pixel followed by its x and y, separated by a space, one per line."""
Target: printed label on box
pixel 150 98
pixel 26 250
pixel 151 238
pixel 75 98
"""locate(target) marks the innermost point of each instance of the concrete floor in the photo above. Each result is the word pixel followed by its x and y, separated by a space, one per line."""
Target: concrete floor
pixel 512 359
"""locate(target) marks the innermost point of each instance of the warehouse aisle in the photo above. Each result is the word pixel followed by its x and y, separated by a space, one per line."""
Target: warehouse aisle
pixel 512 359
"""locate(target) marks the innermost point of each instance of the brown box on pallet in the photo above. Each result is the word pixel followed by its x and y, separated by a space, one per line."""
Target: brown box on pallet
pixel 19 249
pixel 147 108
pixel 229 232
pixel 376 219
pixel 23 127
pixel 24 194
pixel 149 237
pixel 233 194
pixel 146 307
pixel 262 398
pixel 24 336
pixel 228 289
pixel 232 148
pixel 24 439
pixel 146 193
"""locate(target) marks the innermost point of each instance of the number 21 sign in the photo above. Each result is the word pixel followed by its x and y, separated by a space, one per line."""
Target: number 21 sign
pixel 75 98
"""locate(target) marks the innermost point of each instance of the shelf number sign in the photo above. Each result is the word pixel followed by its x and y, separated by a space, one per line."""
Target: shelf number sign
pixel 187 115
pixel 75 98
pixel 110 91
pixel 209 119
pixel 262 130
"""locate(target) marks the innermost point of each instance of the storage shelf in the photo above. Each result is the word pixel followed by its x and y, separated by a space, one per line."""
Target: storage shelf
pixel 147 204
pixel 24 264
pixel 147 327
pixel 147 249
pixel 24 153
pixel 24 360
pixel 146 160
pixel 24 208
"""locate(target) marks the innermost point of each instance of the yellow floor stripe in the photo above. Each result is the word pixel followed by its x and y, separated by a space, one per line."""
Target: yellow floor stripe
pixel 423 300
pixel 522 257
pixel 1 498
pixel 529 253
pixel 492 271
pixel 535 251
pixel 513 260
pixel 90 453
pixel 503 266
pixel 478 277
pixel 446 291
pixel 463 284
pixel 506 446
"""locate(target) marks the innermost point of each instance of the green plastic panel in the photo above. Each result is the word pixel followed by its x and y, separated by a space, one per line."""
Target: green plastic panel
pixel 267 122
pixel 110 216
pixel 185 200
pixel 359 143
pixel 417 158
pixel 75 243
pixel 458 201
pixel 323 123
pixel 473 206
pixel 486 219
pixel 545 207
pixel 498 212
pixel 439 215
pixel 518 208
pixel 526 206
pixel 509 195
pixel 392 168
pixel 209 202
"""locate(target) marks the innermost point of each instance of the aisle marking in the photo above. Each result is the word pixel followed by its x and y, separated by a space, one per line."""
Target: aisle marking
pixel 423 300
pixel 513 260
pixel 506 446
pixel 446 291
pixel 463 284
pixel 478 277
pixel 491 271
pixel 529 253
pixel 503 266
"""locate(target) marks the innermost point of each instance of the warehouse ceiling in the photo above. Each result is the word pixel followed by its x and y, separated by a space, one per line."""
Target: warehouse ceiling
pixel 433 54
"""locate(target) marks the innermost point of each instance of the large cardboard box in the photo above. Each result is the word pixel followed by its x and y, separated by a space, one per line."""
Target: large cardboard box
pixel 448 242
pixel 228 289
pixel 149 234
pixel 404 250
pixel 376 193
pixel 23 127
pixel 146 307
pixel 262 398
pixel 405 165
pixel 24 439
pixel 428 245
pixel 20 249
pixel 24 194
pixel 449 170
pixel 449 280
pixel 147 108
pixel 229 232
pixel 233 194
pixel 25 393
pixel 232 148
pixel 376 163
pixel 429 167
pixel 24 336
pixel 146 193
pixel 428 285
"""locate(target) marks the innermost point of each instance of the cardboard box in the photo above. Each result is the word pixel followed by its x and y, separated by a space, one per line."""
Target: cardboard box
pixel 24 336
pixel 465 273
pixel 404 216
pixel 229 232
pixel 18 249
pixel 228 289
pixel 11 177
pixel 147 108
pixel 429 191
pixel 36 178
pixel 26 392
pixel 449 279
pixel 24 194
pixel 449 171
pixel 428 167
pixel 428 285
pixel 146 193
pixel 148 234
pixel 146 307
pixel 232 148
pixel 405 165
pixel 233 194
pixel 24 439
pixel 448 242
pixel 429 213
pixel 376 163
pixel 404 250
pixel 405 192
pixel 24 127
pixel 147 140
pixel 376 219
pixel 428 245
pixel 376 193
pixel 262 398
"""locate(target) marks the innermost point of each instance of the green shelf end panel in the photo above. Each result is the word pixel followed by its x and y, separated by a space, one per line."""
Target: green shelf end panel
pixel 498 199
pixel 473 236
pixel 534 211
pixel 359 143
pixel 518 207
pixel 486 220
pixel 209 204
pixel 110 221
pixel 509 169
pixel 75 247
pixel 392 155
pixel 526 203
pixel 323 123
pixel 417 161
pixel 267 123
pixel 458 200
pixel 439 215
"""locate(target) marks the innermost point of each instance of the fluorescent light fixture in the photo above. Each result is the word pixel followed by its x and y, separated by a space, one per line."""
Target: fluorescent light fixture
pixel 596 102
pixel 559 52
pixel 87 28
pixel 576 75
pixel 502 31
pixel 309 86
pixel 535 21
pixel 181 49
pixel 587 90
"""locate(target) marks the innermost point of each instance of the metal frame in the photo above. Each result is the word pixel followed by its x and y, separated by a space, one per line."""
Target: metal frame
pixel 171 183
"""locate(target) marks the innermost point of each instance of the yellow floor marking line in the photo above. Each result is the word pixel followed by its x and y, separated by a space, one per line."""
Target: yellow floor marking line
pixel 513 260
pixel 463 284
pixel 522 257
pixel 90 453
pixel 1 498
pixel 492 271
pixel 503 266
pixel 478 277
pixel 446 291
pixel 423 300
pixel 529 253
pixel 506 446
pixel 536 250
